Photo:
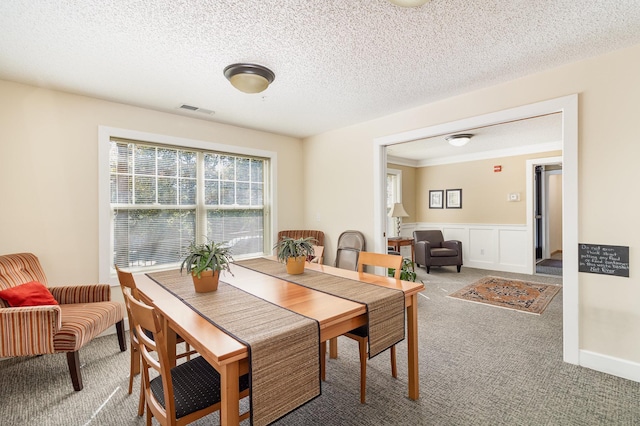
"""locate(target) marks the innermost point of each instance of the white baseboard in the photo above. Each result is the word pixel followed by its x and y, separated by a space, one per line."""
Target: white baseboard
pixel 610 365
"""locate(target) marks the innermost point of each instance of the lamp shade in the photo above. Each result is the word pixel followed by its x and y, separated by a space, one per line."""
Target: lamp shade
pixel 398 211
pixel 249 78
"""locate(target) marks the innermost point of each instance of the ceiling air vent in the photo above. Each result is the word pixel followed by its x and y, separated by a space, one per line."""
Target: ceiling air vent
pixel 196 109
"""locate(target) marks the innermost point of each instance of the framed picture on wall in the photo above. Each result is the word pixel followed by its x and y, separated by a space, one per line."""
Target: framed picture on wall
pixel 436 199
pixel 454 198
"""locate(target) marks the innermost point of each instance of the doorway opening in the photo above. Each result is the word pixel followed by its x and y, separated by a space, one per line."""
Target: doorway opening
pixel 547 222
pixel 568 106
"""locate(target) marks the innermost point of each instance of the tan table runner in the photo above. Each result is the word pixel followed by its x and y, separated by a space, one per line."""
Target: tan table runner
pixel 284 347
pixel 385 306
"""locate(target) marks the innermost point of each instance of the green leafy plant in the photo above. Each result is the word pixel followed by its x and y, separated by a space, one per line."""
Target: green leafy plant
pixel 288 247
pixel 208 256
pixel 407 273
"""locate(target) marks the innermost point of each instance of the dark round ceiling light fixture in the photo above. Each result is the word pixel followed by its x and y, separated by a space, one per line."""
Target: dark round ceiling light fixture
pixel 249 78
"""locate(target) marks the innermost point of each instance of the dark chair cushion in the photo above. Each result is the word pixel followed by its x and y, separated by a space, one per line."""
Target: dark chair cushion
pixel 361 331
pixel 196 385
pixel 443 252
pixel 150 335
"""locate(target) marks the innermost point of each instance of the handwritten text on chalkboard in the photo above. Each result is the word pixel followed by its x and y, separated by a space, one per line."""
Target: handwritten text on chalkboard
pixel 602 259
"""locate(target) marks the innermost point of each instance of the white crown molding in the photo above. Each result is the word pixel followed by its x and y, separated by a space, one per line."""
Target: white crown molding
pixel 402 161
pixel 485 155
pixel 498 153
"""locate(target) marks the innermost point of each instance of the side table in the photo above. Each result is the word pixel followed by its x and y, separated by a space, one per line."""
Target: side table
pixel 398 242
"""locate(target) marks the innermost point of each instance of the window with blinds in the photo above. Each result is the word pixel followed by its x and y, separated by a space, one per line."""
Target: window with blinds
pixel 162 198
pixel 394 192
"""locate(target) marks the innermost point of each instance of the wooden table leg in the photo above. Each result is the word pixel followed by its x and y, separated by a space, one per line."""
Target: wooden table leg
pixel 171 342
pixel 412 348
pixel 323 361
pixel 333 348
pixel 229 394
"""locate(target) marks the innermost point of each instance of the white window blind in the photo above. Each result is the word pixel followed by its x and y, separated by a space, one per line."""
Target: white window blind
pixel 162 198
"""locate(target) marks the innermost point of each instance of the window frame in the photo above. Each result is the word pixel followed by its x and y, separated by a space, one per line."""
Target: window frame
pixel 106 134
pixel 397 198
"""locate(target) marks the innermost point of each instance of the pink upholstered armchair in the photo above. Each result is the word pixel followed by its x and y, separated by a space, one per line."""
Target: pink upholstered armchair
pixel 82 313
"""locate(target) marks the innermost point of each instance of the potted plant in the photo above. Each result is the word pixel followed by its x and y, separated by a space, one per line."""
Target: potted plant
pixel 294 252
pixel 204 262
pixel 407 273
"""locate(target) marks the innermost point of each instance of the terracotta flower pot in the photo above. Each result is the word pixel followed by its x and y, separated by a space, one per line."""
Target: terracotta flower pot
pixel 208 281
pixel 295 265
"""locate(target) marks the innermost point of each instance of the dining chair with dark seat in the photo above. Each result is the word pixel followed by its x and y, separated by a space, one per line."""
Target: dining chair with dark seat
pixel 128 286
pixel 361 334
pixel 318 255
pixel 184 393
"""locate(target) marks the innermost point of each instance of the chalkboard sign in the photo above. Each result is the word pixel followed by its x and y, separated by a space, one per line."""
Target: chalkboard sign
pixel 606 260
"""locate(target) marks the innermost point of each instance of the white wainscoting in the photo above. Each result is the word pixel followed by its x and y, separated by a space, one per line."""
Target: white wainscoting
pixel 485 246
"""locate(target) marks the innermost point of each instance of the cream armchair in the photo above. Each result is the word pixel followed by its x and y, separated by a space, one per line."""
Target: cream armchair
pixel 82 313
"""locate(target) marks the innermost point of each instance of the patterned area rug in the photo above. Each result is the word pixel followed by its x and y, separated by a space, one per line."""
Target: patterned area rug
pixel 507 293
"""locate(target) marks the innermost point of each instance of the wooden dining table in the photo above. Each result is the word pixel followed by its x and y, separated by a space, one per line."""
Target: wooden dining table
pixel 229 357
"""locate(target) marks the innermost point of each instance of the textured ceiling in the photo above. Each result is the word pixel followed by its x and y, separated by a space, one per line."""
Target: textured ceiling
pixel 337 62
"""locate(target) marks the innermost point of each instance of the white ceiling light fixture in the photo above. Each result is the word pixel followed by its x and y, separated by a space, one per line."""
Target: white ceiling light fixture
pixel 249 78
pixel 409 3
pixel 459 140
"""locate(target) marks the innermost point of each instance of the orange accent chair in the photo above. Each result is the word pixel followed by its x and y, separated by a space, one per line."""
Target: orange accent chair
pixel 66 324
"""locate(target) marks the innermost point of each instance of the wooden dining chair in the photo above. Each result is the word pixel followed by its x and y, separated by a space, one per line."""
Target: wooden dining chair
pixel 178 395
pixel 128 286
pixel 318 254
pixel 360 334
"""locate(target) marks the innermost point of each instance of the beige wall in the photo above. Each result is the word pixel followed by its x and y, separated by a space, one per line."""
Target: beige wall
pixel 484 192
pixel 49 177
pixel 608 151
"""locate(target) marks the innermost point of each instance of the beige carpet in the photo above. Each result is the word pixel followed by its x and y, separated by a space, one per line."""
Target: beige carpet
pixel 509 293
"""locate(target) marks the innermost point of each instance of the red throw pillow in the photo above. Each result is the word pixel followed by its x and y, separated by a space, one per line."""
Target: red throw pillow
pixel 29 294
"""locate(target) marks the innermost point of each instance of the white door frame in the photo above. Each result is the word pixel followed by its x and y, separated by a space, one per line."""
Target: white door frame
pixel 568 106
pixel 530 171
pixel 547 219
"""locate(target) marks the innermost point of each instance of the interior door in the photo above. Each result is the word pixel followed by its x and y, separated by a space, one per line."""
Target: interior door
pixel 538 213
